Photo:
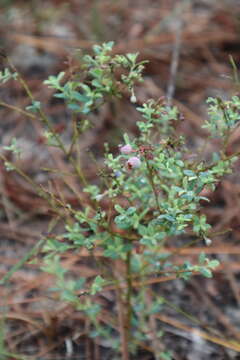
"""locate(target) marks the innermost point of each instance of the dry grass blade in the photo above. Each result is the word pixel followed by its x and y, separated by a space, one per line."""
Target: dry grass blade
pixel 230 344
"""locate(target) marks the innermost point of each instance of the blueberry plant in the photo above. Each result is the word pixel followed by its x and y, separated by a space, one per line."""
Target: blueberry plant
pixel 149 191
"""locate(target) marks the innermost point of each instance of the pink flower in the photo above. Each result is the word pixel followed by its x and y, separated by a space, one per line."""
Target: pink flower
pixel 126 149
pixel 134 162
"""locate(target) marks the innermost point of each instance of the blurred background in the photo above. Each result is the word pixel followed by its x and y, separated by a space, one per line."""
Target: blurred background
pixel 188 44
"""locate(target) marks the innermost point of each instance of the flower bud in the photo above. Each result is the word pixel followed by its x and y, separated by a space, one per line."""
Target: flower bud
pixel 208 241
pixel 133 99
pixel 126 149
pixel 134 162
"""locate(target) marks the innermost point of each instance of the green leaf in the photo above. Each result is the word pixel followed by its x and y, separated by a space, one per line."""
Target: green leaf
pixel 119 209
pixel 212 264
pixel 79 283
pixel 166 355
pixel 35 107
pixel 205 272
pixel 97 285
pixel 202 258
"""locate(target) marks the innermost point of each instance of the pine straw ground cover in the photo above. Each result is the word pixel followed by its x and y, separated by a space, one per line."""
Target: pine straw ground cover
pixel 188 50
